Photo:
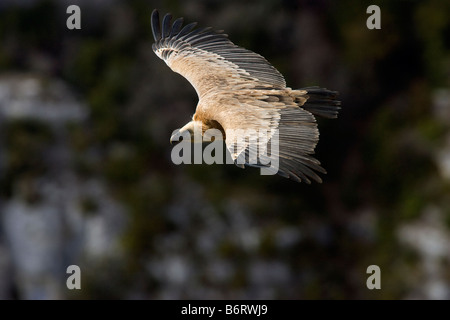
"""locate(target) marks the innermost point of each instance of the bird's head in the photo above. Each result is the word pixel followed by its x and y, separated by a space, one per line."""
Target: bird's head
pixel 191 131
pixel 198 131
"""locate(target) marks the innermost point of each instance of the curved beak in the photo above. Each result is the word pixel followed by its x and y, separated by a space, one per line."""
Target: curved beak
pixel 175 138
pixel 186 132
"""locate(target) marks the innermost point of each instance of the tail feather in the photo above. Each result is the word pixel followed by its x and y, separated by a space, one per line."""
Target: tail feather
pixel 322 102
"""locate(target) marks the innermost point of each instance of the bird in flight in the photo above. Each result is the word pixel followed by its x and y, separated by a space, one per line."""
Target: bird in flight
pixel 244 97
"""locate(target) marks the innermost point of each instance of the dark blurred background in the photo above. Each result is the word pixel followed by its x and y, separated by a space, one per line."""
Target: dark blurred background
pixel 86 176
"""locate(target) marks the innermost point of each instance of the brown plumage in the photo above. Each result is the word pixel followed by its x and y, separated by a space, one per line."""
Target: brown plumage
pixel 239 89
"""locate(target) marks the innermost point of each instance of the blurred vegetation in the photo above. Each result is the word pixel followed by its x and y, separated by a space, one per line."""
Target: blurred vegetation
pixel 379 153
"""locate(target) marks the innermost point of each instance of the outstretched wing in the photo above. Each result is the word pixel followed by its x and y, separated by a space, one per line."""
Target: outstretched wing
pixel 268 129
pixel 209 60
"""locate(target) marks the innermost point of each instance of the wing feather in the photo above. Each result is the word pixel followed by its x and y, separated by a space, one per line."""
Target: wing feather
pixel 186 29
pixel 156 28
pixel 166 27
pixel 176 27
pixel 203 53
pixel 278 136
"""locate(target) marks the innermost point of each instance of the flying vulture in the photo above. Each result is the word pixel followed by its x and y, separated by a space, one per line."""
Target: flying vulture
pixel 246 98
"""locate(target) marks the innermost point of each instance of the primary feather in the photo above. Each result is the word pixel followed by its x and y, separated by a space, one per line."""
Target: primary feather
pixel 239 89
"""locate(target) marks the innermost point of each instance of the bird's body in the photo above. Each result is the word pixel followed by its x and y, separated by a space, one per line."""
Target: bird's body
pixel 239 90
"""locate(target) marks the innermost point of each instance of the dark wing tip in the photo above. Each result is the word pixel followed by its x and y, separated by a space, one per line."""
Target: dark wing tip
pixel 176 27
pixel 166 27
pixel 156 28
pixel 186 29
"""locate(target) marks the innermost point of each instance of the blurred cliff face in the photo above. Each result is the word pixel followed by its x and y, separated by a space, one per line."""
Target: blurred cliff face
pixel 86 176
